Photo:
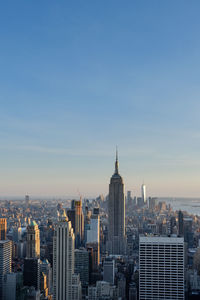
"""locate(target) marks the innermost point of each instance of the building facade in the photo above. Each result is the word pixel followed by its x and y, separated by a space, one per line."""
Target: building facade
pixel 5 264
pixel 33 240
pixel 161 268
pixel 63 259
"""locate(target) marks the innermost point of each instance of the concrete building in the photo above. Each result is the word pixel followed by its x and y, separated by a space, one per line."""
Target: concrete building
pixel 116 213
pixel 63 259
pixel 161 268
pixel 33 240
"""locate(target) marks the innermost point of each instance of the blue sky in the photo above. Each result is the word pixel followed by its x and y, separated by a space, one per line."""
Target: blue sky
pixel 80 77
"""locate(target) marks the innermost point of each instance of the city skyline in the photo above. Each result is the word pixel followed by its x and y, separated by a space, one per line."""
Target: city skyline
pixel 79 78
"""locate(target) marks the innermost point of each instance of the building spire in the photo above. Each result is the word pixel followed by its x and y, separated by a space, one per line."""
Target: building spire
pixel 116 162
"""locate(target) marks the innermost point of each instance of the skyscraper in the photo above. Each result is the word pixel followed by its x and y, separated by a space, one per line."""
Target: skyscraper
pixel 116 213
pixel 33 241
pixel 79 223
pixel 63 259
pixel 3 228
pixel 5 263
pixel 75 215
pixel 161 266
pixel 143 191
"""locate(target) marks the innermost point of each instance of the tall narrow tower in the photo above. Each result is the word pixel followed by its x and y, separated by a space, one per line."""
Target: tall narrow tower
pixel 63 259
pixel 143 191
pixel 116 213
pixel 33 241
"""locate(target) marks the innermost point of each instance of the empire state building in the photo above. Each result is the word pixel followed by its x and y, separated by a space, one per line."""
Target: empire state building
pixel 116 213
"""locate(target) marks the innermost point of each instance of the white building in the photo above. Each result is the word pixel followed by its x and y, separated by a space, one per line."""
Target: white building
pixel 144 195
pixel 161 264
pixel 63 259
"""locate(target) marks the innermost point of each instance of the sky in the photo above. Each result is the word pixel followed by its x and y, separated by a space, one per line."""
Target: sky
pixel 78 78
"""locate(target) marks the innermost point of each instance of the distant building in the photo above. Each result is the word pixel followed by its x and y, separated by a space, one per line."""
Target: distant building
pixel 180 223
pixel 161 267
pixel 152 203
pixel 27 200
pixel 116 213
pixel 3 229
pixel 143 192
pixel 33 240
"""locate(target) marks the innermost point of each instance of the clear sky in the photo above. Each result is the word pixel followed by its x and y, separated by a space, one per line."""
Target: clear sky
pixel 78 78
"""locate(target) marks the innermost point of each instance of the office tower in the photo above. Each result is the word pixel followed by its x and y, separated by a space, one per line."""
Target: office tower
pixel 75 215
pixel 33 240
pixel 79 223
pixel 116 213
pixel 93 238
pixel 63 259
pixel 129 198
pixel 3 228
pixel 180 223
pixel 5 263
pixel 161 268
pixel 143 191
pixel 152 203
pixel 27 201
pixel 32 272
pixel 109 270
pixel 188 232
pixel 81 267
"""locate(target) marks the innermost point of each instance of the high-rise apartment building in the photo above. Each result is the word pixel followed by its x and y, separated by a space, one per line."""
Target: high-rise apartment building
pixel 63 259
pixel 116 213
pixel 3 228
pixel 33 240
pixel 5 264
pixel 161 268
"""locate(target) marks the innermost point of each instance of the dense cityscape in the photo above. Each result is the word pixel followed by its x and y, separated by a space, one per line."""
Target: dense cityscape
pixel 113 247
